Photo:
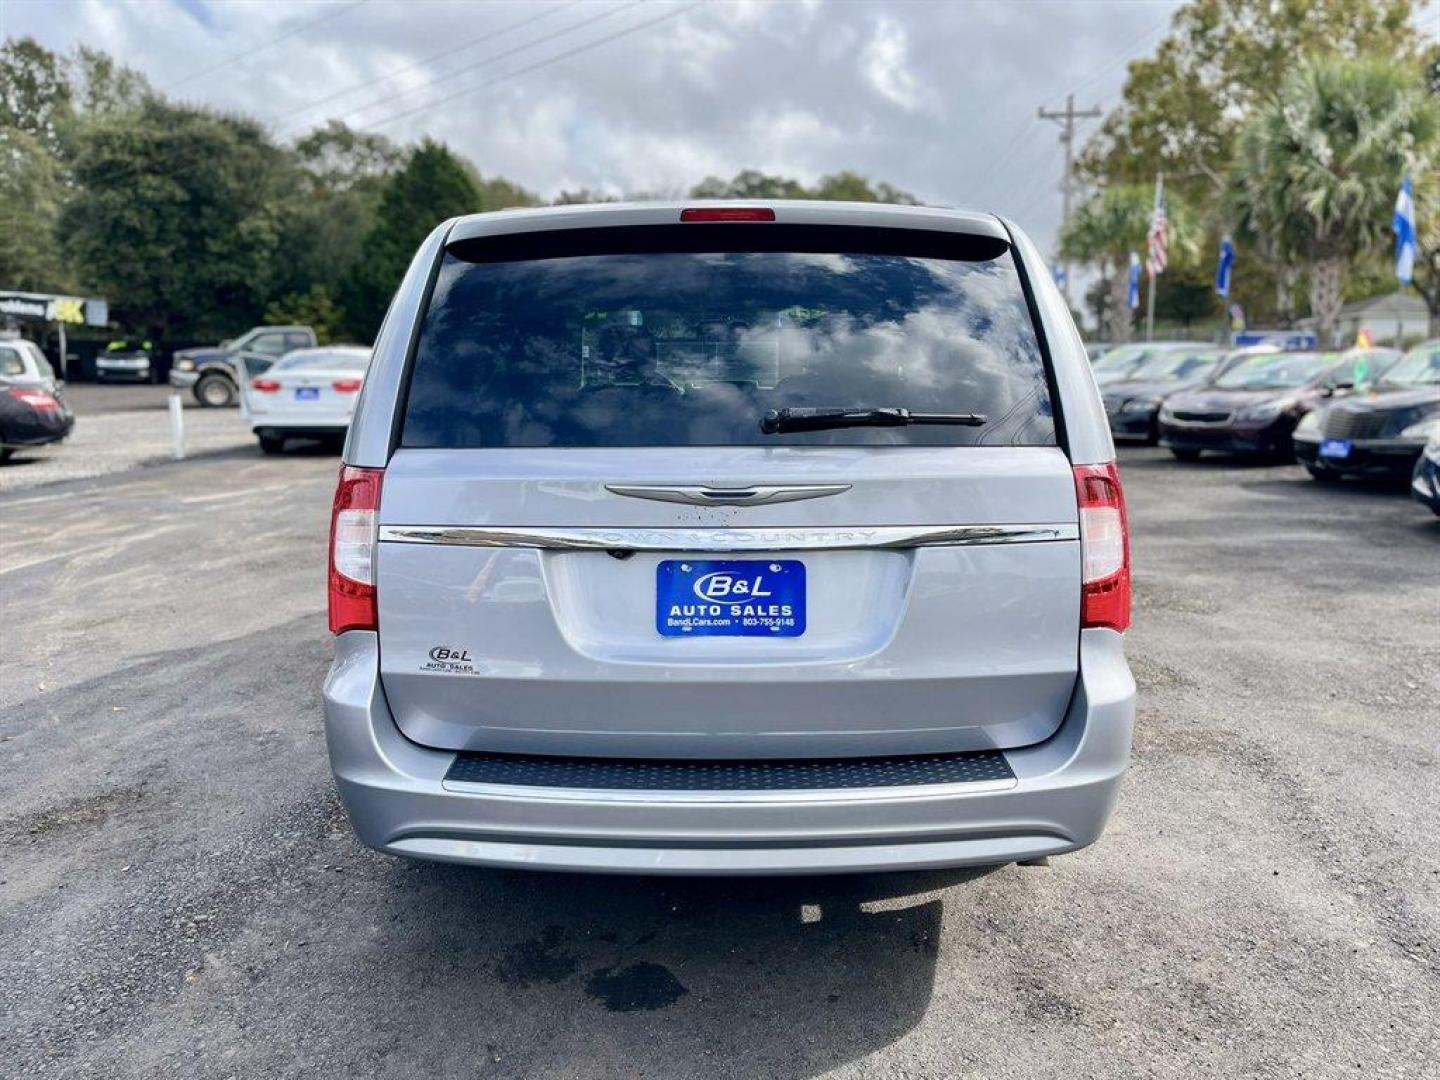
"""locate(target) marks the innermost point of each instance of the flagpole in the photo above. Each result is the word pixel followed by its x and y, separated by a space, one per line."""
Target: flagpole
pixel 1150 309
pixel 1150 266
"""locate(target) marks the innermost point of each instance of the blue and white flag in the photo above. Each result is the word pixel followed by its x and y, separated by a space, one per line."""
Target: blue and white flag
pixel 1134 295
pixel 1404 226
pixel 1222 268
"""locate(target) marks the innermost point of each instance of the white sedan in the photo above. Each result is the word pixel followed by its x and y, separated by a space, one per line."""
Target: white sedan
pixel 308 393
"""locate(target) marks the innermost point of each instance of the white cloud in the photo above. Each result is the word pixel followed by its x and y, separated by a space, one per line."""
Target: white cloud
pixel 885 63
pixel 928 96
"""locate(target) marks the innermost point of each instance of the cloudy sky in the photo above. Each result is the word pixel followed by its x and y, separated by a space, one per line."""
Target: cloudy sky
pixel 937 97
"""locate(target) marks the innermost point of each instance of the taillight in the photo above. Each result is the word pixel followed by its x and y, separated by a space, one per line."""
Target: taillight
pixel 39 400
pixel 354 523
pixel 1104 547
pixel 265 386
pixel 347 386
pixel 727 213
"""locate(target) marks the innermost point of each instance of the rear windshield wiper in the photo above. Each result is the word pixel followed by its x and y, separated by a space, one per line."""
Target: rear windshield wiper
pixel 779 421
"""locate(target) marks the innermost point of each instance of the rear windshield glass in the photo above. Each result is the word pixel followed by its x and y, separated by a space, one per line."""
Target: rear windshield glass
pixel 328 361
pixel 687 335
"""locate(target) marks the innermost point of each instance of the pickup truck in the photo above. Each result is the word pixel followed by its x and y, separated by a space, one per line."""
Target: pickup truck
pixel 211 374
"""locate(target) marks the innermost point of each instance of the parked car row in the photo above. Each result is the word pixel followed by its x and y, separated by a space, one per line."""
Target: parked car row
pixel 1369 412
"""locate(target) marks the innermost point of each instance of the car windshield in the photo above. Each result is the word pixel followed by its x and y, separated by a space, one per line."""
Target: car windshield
pixel 1418 367
pixel 1120 358
pixel 676 336
pixel 1176 364
pixel 1276 371
pixel 338 360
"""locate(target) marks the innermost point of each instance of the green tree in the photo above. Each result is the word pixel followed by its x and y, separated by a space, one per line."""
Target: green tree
pixel 1184 294
pixel 337 158
pixel 1322 164
pixel 749 184
pixel 1182 109
pixel 176 216
pixel 35 92
pixel 1107 227
pixel 315 308
pixel 843 186
pixel 851 187
pixel 431 186
pixel 31 195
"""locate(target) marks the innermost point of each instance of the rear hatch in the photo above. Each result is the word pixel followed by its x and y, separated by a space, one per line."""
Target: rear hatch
pixel 591 545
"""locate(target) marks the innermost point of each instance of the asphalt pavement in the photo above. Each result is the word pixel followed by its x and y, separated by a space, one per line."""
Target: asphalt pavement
pixel 180 895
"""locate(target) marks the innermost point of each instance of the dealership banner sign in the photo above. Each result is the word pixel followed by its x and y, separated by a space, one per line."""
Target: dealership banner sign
pixel 62 309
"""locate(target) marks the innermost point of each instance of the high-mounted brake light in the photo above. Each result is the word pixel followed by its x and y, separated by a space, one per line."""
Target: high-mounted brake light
pixel 39 400
pixel 347 386
pixel 354 525
pixel 265 386
pixel 1104 547
pixel 727 213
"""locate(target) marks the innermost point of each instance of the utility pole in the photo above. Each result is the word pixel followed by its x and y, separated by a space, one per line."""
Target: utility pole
pixel 1066 120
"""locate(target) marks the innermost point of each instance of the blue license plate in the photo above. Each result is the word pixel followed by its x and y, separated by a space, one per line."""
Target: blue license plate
pixel 730 597
pixel 307 393
pixel 1335 448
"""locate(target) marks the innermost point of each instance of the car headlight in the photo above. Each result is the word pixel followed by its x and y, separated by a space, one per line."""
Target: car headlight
pixel 184 365
pixel 1309 424
pixel 1139 404
pixel 1425 429
pixel 1267 410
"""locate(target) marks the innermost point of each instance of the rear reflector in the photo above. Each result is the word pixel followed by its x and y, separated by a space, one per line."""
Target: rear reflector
pixel 265 386
pixel 347 386
pixel 1104 547
pixel 354 519
pixel 728 213
pixel 39 400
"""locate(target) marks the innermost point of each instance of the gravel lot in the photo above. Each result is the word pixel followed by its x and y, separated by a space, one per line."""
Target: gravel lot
pixel 120 427
pixel 181 895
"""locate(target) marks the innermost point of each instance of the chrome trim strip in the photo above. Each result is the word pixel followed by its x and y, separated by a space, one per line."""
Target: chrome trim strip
pixel 736 539
pixel 749 495
pixel 527 793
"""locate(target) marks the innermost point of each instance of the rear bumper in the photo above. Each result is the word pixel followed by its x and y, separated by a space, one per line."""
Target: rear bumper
pixel 41 429
pixel 398 801
pixel 296 427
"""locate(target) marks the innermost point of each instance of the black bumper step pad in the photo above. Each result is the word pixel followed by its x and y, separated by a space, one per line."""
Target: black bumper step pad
pixel 631 774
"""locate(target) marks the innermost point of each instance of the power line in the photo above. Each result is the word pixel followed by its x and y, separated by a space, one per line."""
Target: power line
pixel 236 57
pixel 363 83
pixel 503 54
pixel 537 65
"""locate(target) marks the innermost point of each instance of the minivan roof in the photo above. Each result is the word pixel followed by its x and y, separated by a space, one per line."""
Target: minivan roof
pixel 787 211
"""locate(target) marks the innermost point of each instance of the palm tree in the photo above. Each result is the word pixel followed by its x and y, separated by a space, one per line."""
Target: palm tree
pixel 1320 166
pixel 1111 224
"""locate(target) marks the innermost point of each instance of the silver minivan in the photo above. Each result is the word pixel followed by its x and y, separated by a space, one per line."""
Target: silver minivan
pixel 729 538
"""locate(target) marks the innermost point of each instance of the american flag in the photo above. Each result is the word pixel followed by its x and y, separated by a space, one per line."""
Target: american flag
pixel 1158 238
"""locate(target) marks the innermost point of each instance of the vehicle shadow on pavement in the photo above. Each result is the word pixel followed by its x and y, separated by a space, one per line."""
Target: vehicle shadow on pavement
pixel 762 977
